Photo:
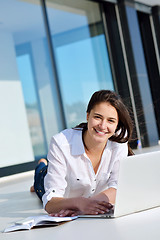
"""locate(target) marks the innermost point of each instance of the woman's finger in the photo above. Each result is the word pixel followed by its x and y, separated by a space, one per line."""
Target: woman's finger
pixel 65 213
pixel 107 204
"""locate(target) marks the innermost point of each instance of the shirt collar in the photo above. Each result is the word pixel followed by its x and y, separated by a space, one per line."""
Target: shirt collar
pixel 77 147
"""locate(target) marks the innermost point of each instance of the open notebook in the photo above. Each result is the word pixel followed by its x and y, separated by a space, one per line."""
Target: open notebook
pixel 138 185
pixel 37 221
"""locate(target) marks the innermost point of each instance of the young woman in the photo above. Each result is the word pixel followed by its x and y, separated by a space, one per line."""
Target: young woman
pixel 83 162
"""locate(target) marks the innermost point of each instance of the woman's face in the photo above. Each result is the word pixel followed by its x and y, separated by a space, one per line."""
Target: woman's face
pixel 102 122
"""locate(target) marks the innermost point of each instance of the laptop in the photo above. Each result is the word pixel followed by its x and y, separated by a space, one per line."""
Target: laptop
pixel 138 185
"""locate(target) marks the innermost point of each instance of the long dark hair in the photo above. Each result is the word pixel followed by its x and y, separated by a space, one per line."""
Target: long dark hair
pixel 124 128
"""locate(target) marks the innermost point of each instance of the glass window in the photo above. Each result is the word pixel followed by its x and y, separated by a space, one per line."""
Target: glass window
pixel 28 100
pixel 143 81
pixel 80 52
pixel 31 102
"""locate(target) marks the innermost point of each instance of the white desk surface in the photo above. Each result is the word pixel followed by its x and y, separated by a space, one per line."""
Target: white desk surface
pixel 17 202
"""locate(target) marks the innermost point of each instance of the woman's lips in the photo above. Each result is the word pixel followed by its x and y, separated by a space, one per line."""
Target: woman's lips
pixel 100 132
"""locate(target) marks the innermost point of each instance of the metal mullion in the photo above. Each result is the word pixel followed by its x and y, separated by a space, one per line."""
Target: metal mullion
pixel 108 47
pixel 128 73
pixel 155 42
pixel 53 62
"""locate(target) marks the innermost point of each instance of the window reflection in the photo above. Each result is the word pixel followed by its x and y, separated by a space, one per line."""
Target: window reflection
pixel 30 98
pixel 149 135
pixel 81 54
pixel 29 111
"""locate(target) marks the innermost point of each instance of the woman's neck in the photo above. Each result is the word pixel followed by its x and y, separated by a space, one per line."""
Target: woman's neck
pixel 93 150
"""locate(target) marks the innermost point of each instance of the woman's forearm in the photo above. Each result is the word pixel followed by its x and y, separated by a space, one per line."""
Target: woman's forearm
pixel 80 204
pixel 107 195
pixel 56 204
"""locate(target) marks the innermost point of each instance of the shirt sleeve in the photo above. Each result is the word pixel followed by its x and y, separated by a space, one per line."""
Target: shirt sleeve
pixel 54 181
pixel 119 153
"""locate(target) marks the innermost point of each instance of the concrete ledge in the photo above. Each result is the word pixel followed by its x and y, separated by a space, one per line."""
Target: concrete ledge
pixel 16 176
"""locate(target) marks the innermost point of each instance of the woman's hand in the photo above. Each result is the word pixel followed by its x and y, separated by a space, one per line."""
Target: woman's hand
pixel 66 213
pixel 92 206
pixel 85 206
pixel 78 206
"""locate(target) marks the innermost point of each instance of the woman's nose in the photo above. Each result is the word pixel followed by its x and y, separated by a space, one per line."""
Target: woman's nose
pixel 103 124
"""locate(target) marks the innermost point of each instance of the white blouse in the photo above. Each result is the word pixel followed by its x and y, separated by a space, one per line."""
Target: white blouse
pixel 70 171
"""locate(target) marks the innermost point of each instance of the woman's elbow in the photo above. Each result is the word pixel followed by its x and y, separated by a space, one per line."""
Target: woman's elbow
pixel 53 205
pixel 47 208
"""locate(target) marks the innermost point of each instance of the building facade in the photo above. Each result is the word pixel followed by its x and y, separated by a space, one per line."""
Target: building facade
pixel 55 53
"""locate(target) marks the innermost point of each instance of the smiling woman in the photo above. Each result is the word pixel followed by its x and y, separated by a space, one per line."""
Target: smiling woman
pixel 79 158
pixel 102 123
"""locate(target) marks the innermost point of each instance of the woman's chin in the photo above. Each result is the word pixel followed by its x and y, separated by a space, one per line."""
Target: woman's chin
pixel 100 139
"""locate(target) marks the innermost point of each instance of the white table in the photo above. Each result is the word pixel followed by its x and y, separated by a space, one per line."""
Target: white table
pixel 17 202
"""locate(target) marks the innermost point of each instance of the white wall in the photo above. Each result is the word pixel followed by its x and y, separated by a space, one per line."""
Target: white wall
pixel 15 142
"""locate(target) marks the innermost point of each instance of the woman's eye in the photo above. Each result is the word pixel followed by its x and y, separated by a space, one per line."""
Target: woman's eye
pixel 111 121
pixel 97 117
